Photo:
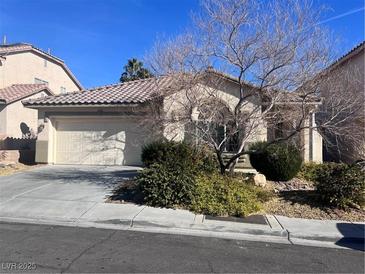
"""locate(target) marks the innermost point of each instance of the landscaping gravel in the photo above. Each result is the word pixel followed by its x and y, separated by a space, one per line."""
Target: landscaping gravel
pixel 305 204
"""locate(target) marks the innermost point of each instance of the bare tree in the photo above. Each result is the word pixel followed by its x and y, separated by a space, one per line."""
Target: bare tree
pixel 269 52
pixel 342 114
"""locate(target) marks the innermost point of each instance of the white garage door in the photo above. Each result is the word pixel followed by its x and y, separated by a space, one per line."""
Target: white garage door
pixel 98 141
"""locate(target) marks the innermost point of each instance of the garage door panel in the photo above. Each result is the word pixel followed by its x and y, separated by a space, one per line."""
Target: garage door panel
pixel 98 142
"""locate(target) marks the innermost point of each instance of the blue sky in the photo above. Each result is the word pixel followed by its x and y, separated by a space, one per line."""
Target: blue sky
pixel 96 37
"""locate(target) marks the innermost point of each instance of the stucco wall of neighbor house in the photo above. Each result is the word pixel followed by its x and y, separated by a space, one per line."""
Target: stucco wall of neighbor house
pixel 2 119
pixel 18 118
pixel 24 67
pixel 346 151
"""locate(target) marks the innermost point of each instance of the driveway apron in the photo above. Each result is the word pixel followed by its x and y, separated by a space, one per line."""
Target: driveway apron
pixel 59 191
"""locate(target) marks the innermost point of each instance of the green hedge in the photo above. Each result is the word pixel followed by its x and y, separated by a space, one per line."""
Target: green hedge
pixel 169 153
pixel 278 162
pixel 309 171
pixel 165 186
pixel 220 195
pixel 340 185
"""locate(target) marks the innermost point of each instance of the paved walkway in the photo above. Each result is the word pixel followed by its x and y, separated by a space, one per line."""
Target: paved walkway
pixel 75 196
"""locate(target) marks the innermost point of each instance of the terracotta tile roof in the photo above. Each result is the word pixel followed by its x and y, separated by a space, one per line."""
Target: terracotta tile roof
pixel 133 92
pixel 23 47
pixel 19 91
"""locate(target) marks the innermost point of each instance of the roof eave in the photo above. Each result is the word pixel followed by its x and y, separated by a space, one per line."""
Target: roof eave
pixel 37 106
pixel 317 103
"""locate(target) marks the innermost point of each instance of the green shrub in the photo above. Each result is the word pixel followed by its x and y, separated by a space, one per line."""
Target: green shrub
pixel 204 160
pixel 222 195
pixel 167 152
pixel 278 162
pixel 166 186
pixel 170 152
pixel 309 171
pixel 340 185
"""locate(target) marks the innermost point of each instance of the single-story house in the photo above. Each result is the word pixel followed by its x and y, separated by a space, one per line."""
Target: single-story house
pixel 102 126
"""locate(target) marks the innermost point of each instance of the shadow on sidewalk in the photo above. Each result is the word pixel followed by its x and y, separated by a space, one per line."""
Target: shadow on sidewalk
pixel 353 236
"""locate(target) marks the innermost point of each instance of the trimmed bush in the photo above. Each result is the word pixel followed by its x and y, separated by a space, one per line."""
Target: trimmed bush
pixel 204 160
pixel 220 195
pixel 165 152
pixel 278 162
pixel 309 171
pixel 164 186
pixel 340 185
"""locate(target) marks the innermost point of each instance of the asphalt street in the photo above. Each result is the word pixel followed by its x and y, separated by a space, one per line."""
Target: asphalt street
pixel 44 248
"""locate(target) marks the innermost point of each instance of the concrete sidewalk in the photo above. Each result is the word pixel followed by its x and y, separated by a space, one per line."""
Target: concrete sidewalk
pixel 75 196
pixel 277 229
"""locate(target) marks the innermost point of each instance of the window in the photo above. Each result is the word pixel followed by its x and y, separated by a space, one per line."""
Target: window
pixel 219 133
pixel 63 90
pixel 40 81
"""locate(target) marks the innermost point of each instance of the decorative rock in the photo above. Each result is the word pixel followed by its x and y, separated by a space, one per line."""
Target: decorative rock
pixel 260 180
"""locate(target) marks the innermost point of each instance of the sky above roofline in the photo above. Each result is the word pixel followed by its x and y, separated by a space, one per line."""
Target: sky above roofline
pixel 96 38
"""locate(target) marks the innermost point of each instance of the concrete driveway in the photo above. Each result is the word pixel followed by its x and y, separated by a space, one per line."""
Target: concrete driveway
pixel 59 191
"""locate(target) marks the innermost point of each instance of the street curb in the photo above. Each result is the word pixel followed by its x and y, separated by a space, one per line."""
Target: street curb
pixel 249 232
pixel 215 229
pixel 325 239
pixel 153 229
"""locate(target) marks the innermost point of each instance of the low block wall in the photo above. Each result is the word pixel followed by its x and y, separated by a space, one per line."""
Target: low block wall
pixel 9 156
pixel 10 143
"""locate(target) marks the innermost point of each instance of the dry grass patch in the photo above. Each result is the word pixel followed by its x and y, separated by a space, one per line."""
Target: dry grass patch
pixel 14 168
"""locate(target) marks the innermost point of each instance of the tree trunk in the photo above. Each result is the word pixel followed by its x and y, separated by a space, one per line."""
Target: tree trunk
pixel 222 166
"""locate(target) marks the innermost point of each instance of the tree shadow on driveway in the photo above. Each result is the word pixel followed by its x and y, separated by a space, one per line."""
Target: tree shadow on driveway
pixel 127 192
pixel 100 176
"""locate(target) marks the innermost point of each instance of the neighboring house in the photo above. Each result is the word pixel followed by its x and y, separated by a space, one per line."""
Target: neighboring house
pixel 350 65
pixel 102 126
pixel 23 63
pixel 16 120
pixel 28 72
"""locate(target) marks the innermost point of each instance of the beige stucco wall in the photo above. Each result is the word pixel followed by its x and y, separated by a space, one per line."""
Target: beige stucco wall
pixel 14 114
pixel 312 141
pixel 346 150
pixel 24 67
pixel 2 119
pixel 228 93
